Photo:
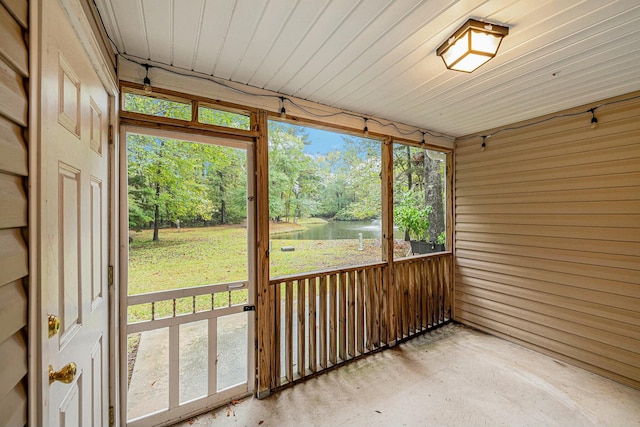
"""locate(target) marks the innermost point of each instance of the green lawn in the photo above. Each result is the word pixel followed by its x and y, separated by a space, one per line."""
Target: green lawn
pixel 201 256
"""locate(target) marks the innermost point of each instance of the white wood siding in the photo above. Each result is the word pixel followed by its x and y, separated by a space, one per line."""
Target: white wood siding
pixel 13 211
pixel 547 223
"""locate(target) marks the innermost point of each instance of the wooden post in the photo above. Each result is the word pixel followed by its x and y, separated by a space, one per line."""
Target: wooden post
pixel 388 314
pixel 264 300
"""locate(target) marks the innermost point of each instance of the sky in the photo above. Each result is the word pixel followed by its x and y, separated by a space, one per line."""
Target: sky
pixel 323 141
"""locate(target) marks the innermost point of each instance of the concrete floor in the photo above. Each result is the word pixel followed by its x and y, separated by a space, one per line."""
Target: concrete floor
pixel 454 376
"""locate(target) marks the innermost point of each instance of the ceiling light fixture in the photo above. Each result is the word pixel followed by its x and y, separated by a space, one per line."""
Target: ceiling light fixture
pixel 146 83
pixel 471 45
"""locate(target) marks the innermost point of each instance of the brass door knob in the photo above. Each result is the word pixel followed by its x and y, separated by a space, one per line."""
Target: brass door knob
pixel 64 375
pixel 54 325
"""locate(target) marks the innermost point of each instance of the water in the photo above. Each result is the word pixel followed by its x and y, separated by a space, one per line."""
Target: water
pixel 335 230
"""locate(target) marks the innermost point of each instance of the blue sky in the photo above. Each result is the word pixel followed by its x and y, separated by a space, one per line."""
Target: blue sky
pixel 323 141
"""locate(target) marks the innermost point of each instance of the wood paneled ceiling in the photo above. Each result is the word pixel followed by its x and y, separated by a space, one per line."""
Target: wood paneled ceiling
pixel 377 57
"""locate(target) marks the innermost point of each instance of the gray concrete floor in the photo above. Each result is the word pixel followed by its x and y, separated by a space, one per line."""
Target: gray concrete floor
pixel 454 376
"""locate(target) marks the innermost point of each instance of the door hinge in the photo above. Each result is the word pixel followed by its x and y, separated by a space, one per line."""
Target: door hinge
pixel 249 308
pixel 110 134
pixel 110 275
pixel 112 420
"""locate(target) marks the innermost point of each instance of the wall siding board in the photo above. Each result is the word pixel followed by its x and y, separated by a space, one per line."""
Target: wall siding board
pixel 13 407
pixel 625 349
pixel 13 202
pixel 622 308
pixel 543 136
pixel 14 253
pixel 13 148
pixel 548 238
pixel 19 9
pixel 13 49
pixel 586 245
pixel 530 301
pixel 13 309
pixel 15 369
pixel 13 94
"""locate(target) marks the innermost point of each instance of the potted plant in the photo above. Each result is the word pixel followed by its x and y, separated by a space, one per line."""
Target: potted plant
pixel 411 216
pixel 441 242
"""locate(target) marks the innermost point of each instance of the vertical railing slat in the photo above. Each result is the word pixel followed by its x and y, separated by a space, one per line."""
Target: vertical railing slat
pixel 430 293
pixel 375 273
pixel 384 306
pixel 441 289
pixel 333 330
pixel 174 366
pixel 313 354
pixel 351 317
pixel 323 322
pixel 405 299
pixel 288 319
pixel 447 293
pixel 424 296
pixel 276 371
pixel 418 299
pixel 397 290
pixel 302 317
pixel 368 310
pixel 342 316
pixel 360 311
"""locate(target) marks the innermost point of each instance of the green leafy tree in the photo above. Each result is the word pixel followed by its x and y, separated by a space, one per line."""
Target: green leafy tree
pixel 412 216
pixel 168 174
pixel 293 174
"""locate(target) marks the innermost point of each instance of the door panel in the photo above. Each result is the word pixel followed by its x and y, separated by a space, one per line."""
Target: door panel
pixel 73 225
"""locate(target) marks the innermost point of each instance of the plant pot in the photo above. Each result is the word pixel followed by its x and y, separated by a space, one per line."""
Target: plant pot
pixel 421 247
pixel 440 247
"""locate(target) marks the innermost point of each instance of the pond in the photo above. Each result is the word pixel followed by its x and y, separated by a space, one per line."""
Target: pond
pixel 335 230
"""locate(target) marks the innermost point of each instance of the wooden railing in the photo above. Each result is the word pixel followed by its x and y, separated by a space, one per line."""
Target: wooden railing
pixel 327 318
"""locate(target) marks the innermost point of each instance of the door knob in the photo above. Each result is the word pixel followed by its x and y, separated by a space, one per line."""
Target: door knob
pixel 53 324
pixel 64 375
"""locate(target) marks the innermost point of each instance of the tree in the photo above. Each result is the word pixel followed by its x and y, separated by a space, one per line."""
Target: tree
pixel 293 174
pixel 168 173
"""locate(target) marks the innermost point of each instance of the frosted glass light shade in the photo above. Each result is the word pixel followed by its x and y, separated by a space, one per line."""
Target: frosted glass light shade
pixel 471 45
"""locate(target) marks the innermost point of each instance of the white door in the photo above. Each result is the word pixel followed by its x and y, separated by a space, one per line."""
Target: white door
pixel 73 227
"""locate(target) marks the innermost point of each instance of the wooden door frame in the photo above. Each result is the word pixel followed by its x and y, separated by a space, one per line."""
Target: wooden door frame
pixel 38 382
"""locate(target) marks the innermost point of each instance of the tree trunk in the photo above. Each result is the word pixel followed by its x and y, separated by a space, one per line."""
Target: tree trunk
pixel 433 196
pixel 156 215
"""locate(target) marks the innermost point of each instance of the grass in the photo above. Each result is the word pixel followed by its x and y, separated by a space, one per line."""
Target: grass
pixel 192 257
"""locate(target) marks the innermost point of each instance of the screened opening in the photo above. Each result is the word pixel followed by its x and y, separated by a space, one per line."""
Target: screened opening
pixel 156 106
pixel 324 199
pixel 212 116
pixel 419 200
